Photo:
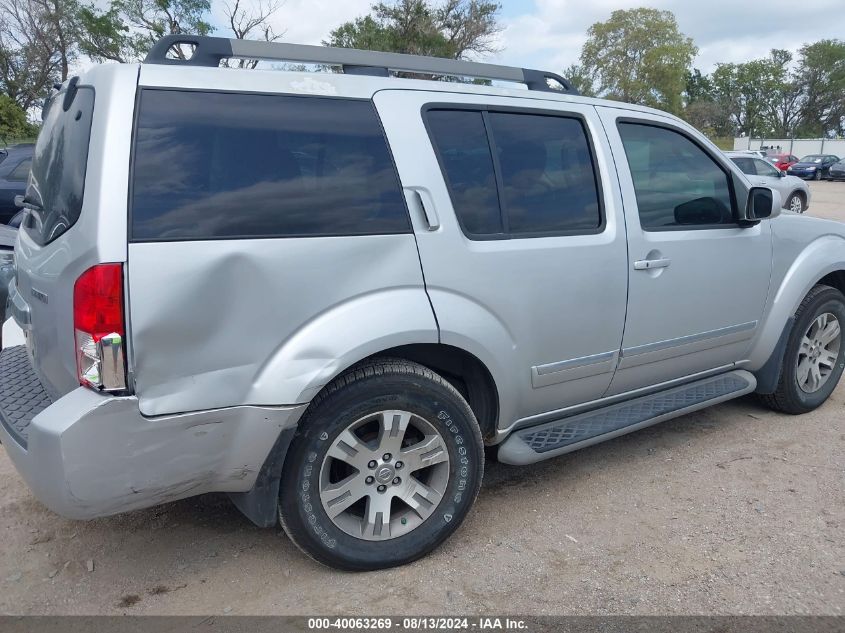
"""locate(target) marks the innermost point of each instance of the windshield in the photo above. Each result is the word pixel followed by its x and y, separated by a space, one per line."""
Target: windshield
pixel 812 158
pixel 57 180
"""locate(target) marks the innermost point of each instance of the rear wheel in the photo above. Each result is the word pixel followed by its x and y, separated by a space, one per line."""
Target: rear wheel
pixel 814 357
pixel 386 465
pixel 796 203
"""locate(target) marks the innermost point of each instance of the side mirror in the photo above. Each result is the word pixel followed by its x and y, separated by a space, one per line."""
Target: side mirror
pixel 763 203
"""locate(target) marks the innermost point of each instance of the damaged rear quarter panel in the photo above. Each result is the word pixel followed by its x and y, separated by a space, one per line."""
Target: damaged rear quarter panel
pixel 266 321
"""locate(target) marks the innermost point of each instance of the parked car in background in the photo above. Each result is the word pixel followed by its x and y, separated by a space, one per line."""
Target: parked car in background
pixel 814 166
pixel 794 192
pixel 837 170
pixel 782 161
pixel 15 162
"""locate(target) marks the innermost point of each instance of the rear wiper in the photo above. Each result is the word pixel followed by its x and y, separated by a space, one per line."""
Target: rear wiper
pixel 22 203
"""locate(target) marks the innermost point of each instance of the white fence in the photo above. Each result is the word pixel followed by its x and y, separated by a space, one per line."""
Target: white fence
pixel 798 146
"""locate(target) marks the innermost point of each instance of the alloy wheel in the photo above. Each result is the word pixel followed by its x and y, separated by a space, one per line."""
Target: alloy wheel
pixel 795 204
pixel 818 352
pixel 384 475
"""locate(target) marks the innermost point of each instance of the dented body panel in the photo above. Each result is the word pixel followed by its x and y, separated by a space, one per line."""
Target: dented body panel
pixel 221 325
pixel 90 456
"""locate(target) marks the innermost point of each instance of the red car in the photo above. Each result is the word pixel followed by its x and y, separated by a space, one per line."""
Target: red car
pixel 782 161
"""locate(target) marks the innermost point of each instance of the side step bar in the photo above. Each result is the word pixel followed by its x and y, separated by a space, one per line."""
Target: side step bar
pixel 550 439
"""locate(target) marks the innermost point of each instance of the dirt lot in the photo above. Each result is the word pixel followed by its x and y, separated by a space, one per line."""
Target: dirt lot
pixel 731 510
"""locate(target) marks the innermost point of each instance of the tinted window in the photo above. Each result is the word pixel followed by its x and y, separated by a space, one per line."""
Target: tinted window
pixel 461 141
pixel 677 184
pixel 213 165
pixel 812 158
pixel 57 179
pixel 545 183
pixel 766 169
pixel 746 165
pixel 21 172
pixel 548 182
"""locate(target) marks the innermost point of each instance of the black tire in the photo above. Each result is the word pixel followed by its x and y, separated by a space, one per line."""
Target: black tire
pixel 363 390
pixel 789 397
pixel 817 175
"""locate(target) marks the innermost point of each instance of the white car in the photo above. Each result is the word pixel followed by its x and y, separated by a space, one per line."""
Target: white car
pixel 793 190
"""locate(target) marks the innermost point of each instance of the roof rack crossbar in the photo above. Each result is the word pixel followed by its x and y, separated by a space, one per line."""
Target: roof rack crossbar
pixel 209 51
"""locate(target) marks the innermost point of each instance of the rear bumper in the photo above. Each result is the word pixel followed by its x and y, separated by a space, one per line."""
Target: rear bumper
pixel 87 455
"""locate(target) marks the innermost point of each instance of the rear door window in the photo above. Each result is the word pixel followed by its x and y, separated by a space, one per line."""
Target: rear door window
pixel 517 174
pixel 57 178
pixel 464 151
pixel 211 165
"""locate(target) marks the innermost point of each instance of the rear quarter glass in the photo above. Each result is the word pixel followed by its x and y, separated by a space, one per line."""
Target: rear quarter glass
pixel 214 165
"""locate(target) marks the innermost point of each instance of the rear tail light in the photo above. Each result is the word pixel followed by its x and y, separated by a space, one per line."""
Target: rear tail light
pixel 99 328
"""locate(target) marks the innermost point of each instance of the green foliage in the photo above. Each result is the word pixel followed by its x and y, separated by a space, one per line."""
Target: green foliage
pixel 639 56
pixel 821 78
pixel 103 35
pixel 128 28
pixel 580 79
pixel 772 97
pixel 37 47
pixel 13 121
pixel 452 29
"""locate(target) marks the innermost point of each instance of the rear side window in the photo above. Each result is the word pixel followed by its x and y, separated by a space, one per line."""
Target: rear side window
pixel 746 165
pixel 468 164
pixel 514 174
pixel 217 165
pixel 57 178
pixel 677 184
pixel 548 181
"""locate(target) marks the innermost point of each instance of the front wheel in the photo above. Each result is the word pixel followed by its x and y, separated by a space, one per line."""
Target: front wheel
pixel 814 357
pixel 385 466
pixel 817 175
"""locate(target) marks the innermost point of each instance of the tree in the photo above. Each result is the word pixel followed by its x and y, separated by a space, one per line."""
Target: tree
pixel 128 28
pixel 821 77
pixel 13 121
pixel 785 92
pixel 639 56
pixel 580 79
pixel 758 95
pixel 245 23
pixel 455 28
pixel 37 47
pixel 103 35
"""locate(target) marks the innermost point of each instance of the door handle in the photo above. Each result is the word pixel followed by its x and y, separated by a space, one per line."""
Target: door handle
pixel 430 214
pixel 648 264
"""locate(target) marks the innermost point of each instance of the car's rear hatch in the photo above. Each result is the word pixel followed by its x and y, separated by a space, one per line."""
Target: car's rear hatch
pixel 76 198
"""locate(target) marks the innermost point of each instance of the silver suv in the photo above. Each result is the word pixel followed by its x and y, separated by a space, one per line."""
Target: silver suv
pixel 325 294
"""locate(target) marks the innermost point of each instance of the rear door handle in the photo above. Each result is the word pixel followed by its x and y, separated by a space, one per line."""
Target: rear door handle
pixel 428 212
pixel 648 264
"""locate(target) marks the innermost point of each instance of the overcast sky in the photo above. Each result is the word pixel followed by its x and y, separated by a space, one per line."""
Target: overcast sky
pixel 548 34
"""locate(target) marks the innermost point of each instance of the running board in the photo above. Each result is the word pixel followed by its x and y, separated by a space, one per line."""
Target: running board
pixel 536 443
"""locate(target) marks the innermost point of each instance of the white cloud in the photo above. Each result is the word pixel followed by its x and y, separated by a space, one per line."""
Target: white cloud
pixel 304 21
pixel 550 34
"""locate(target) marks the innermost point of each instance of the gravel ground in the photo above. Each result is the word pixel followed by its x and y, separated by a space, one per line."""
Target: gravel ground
pixel 731 510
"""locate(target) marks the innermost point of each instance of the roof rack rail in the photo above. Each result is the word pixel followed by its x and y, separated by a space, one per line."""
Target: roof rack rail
pixel 208 51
